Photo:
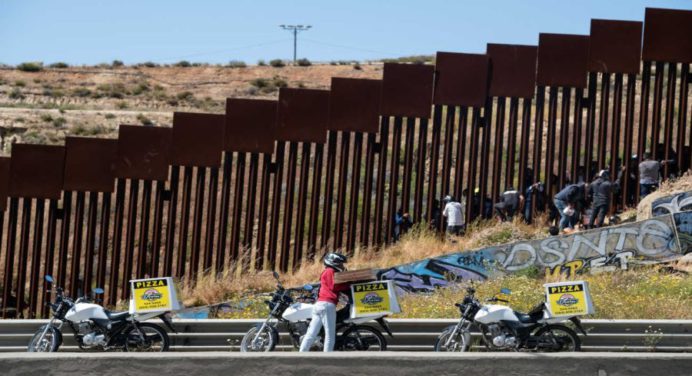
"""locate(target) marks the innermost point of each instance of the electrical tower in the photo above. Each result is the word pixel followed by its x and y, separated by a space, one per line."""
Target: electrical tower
pixel 295 29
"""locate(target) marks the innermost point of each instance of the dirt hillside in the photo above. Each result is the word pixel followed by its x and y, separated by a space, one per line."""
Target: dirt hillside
pixel 45 106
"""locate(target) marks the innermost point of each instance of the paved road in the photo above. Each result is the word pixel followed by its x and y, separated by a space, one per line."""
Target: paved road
pixel 351 364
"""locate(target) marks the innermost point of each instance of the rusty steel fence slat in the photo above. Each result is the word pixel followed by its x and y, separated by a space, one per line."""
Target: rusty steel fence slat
pixel 273 184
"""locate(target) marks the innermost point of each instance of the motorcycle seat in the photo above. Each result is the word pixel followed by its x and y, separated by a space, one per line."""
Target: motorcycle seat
pixel 117 316
pixel 524 318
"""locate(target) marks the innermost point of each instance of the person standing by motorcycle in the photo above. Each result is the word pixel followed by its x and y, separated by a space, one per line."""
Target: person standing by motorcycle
pixel 324 312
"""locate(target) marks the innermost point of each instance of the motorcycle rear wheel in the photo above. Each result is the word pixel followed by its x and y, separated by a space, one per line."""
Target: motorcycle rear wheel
pixel 457 343
pixel 155 338
pixel 563 336
pixel 266 341
pixel 50 343
pixel 363 338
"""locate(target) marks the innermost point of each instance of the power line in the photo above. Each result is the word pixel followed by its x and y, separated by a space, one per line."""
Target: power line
pixel 226 50
pixel 295 29
pixel 352 48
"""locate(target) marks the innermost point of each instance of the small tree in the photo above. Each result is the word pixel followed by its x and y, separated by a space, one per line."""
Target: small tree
pixel 183 64
pixel 30 67
pixel 117 63
pixel 277 63
pixel 236 64
pixel 304 62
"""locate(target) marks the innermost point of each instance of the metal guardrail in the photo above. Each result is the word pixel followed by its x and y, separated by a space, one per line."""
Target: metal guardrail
pixel 409 335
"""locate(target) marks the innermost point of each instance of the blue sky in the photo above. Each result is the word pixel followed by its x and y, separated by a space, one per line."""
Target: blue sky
pixel 95 31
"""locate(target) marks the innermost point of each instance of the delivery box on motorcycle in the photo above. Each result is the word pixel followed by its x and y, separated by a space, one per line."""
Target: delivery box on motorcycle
pixel 153 295
pixel 374 298
pixel 568 298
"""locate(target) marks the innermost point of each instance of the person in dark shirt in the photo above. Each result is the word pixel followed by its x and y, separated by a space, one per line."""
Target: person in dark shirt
pixel 402 223
pixel 601 190
pixel 569 202
pixel 508 205
pixel 650 174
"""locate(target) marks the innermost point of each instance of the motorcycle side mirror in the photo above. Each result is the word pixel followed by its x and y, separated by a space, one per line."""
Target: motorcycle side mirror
pixel 307 287
pixel 98 291
pixel 49 278
pixel 506 291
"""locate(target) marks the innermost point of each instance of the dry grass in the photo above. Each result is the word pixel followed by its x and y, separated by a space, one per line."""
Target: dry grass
pixel 418 244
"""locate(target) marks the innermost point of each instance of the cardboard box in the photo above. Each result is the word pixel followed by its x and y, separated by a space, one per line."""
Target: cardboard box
pixel 374 299
pixel 153 295
pixel 569 298
pixel 364 275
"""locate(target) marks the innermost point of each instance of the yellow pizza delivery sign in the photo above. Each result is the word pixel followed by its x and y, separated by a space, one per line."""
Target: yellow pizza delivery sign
pixel 569 298
pixel 374 298
pixel 153 294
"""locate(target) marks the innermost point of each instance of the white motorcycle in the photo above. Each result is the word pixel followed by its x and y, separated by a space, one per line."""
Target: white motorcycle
pixel 295 314
pixel 505 329
pixel 96 328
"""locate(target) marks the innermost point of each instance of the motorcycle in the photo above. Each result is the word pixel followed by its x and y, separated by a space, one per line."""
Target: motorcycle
pixel 96 328
pixel 505 329
pixel 295 313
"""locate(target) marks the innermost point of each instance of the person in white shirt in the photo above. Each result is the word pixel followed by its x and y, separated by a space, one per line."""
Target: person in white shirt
pixel 454 212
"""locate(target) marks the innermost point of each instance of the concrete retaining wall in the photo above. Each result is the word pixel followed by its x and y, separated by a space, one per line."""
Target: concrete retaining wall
pixel 351 364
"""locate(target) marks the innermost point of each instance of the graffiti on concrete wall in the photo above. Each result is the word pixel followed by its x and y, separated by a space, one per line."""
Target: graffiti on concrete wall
pixel 615 261
pixel 672 204
pixel 683 223
pixel 649 241
pixel 426 275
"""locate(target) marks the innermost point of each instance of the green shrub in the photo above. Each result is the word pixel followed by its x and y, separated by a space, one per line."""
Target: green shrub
pixel 59 122
pixel 185 96
pixel 109 116
pixel 260 83
pixel 46 118
pixel 116 90
pixel 121 105
pixel 261 63
pixel 117 63
pixel 59 65
pixel 333 62
pixel 81 92
pixel 20 83
pixel 277 63
pixel 303 62
pixel 140 88
pixel 183 64
pixel 144 120
pixel 30 67
pixel 16 94
pixel 149 64
pixel 357 66
pixel 236 64
pixel 83 130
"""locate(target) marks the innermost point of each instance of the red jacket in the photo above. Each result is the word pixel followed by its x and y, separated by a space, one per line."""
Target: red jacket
pixel 329 292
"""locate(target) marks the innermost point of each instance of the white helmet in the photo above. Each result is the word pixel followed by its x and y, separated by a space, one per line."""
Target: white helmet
pixel 335 260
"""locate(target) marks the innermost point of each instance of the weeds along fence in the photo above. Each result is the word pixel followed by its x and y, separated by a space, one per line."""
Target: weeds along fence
pixel 269 184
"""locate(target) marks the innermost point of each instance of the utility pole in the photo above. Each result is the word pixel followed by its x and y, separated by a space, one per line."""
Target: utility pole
pixel 295 29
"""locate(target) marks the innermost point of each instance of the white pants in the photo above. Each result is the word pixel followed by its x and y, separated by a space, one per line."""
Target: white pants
pixel 324 313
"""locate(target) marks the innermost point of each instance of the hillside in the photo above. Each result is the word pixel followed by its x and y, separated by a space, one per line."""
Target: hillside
pixel 45 106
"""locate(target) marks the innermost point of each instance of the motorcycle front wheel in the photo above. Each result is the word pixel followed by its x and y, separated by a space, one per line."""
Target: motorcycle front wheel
pixel 146 337
pixel 557 338
pixel 451 340
pixel 363 338
pixel 49 343
pixel 266 340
